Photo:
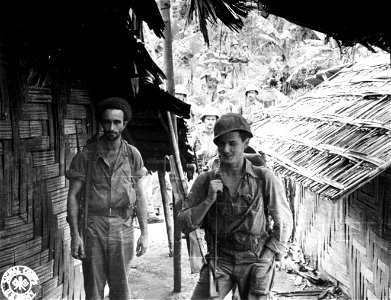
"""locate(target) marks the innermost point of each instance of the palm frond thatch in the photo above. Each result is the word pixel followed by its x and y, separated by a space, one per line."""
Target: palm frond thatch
pixel 148 11
pixel 228 11
pixel 338 136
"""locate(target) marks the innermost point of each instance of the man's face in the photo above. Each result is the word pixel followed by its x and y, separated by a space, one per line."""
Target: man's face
pixel 251 95
pixel 221 95
pixel 231 147
pixel 113 123
pixel 210 122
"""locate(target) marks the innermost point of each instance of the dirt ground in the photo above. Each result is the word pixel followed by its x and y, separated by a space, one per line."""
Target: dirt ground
pixel 152 274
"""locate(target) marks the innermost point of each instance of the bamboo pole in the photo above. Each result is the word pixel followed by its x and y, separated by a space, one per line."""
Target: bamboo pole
pixel 164 6
pixel 177 205
pixel 179 197
pixel 166 207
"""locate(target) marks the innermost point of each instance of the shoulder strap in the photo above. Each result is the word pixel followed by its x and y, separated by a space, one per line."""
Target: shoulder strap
pixel 130 158
pixel 130 154
pixel 258 171
pixel 211 173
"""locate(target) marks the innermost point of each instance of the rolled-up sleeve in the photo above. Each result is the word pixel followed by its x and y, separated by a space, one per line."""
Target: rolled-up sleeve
pixel 77 168
pixel 280 212
pixel 197 194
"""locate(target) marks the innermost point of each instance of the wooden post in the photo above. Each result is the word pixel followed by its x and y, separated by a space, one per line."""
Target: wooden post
pixel 177 205
pixel 179 186
pixel 166 207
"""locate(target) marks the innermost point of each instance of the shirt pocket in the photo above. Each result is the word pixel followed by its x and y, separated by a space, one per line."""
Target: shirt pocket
pixel 247 194
pixel 99 176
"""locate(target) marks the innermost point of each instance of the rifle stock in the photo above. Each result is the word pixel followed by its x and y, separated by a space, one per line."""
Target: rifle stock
pixel 81 197
pixel 213 287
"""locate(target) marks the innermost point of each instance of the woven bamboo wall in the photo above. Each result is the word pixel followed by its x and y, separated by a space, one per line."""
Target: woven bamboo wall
pixel 349 239
pixel 37 142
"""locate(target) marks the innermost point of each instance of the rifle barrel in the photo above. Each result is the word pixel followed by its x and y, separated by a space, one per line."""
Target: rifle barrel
pixel 77 139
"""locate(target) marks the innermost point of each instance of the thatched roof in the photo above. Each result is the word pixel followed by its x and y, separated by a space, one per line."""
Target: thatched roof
pixel 95 47
pixel 338 136
pixel 93 39
pixel 347 21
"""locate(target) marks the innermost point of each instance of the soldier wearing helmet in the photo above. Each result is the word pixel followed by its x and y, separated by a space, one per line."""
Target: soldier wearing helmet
pixel 251 107
pixel 221 102
pixel 232 204
pixel 202 141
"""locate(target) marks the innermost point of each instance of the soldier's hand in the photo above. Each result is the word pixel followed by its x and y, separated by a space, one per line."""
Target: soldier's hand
pixel 215 187
pixel 77 248
pixel 142 245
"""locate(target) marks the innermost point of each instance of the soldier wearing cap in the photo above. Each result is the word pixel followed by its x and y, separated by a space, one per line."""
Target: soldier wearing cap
pixel 202 140
pixel 234 58
pixel 212 77
pixel 110 171
pixel 232 203
pixel 221 102
pixel 251 107
pixel 245 58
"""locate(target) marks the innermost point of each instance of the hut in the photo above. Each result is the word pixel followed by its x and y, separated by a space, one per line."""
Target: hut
pixel 332 150
pixel 57 61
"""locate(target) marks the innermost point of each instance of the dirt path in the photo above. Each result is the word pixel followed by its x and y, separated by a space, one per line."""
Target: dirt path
pixel 152 274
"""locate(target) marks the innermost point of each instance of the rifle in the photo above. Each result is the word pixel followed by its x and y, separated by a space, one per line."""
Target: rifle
pixel 196 162
pixel 82 196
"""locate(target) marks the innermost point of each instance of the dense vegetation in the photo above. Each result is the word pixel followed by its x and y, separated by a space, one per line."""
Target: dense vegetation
pixel 283 55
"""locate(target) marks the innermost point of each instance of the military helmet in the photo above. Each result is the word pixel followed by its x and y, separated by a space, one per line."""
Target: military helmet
pixel 180 89
pixel 209 111
pixel 251 87
pixel 230 122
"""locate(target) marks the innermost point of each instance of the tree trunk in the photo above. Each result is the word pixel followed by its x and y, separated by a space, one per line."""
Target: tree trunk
pixel 165 6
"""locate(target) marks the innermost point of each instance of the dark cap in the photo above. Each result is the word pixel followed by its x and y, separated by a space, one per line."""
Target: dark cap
pixel 115 103
pixel 231 122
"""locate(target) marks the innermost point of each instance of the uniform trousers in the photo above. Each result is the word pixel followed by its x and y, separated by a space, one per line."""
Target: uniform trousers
pixel 109 250
pixel 252 275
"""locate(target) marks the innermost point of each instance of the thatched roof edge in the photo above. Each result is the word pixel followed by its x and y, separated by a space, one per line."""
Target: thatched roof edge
pixel 338 136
